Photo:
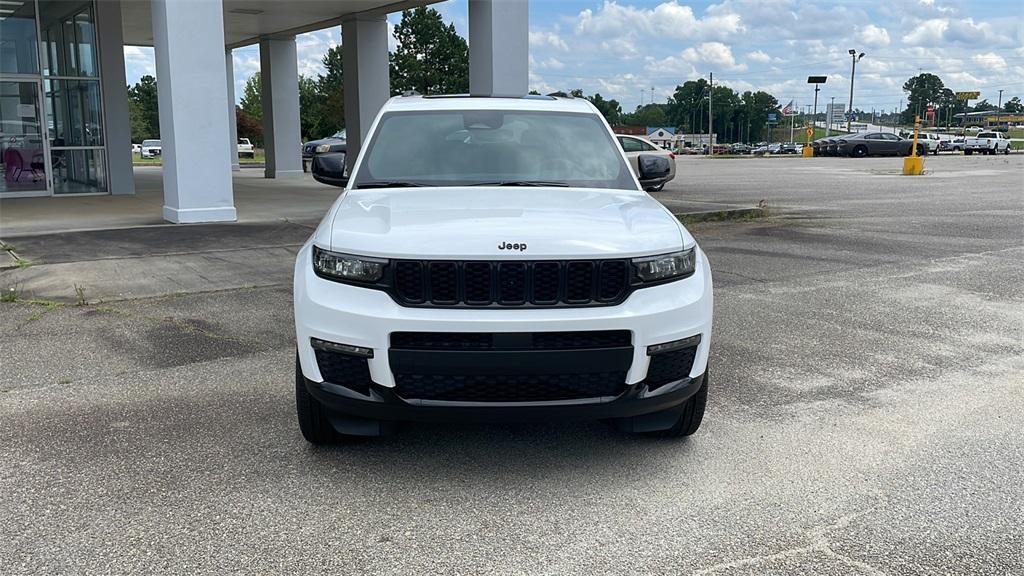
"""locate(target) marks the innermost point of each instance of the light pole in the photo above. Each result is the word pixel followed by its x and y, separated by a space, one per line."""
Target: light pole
pixel 817 81
pixel 999 110
pixel 853 72
pixel 831 111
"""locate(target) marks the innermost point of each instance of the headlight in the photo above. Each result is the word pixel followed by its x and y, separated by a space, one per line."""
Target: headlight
pixel 346 267
pixel 665 266
pixel 323 148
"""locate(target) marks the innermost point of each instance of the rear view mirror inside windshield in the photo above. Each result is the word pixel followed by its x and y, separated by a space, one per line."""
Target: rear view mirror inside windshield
pixel 483 119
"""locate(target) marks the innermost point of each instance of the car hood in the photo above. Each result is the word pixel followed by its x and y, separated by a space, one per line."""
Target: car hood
pixel 324 141
pixel 501 223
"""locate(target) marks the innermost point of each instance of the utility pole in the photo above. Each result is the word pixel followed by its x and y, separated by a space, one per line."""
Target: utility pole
pixel 999 110
pixel 853 72
pixel 711 92
pixel 652 94
pixel 831 111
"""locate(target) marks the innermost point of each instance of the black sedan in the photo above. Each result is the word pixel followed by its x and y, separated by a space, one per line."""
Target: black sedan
pixel 877 144
pixel 333 143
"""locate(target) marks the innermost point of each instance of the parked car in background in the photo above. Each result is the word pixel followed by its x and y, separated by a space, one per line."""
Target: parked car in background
pixel 740 149
pixel 334 143
pixel 245 148
pixel 987 143
pixel 150 149
pixel 136 148
pixel 791 148
pixel 931 140
pixel 877 144
pixel 634 146
pixel 953 144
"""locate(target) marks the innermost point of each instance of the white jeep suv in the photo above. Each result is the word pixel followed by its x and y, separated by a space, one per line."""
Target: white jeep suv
pixel 496 259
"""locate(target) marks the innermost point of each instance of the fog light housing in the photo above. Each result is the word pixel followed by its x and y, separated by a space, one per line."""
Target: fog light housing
pixel 348 349
pixel 673 345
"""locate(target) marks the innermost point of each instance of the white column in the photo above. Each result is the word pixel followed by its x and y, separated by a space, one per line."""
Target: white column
pixel 187 38
pixel 367 76
pixel 117 128
pixel 229 68
pixel 279 95
pixel 499 47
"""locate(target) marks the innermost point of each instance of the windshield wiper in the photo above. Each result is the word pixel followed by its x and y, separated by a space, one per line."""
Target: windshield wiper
pixel 540 183
pixel 388 184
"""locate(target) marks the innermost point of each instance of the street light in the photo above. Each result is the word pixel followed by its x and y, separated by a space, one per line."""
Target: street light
pixel 855 58
pixel 999 111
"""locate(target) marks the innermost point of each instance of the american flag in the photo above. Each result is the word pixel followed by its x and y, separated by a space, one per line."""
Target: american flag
pixel 788 110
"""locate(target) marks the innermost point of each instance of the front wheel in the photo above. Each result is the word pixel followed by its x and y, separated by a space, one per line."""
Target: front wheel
pixel 313 421
pixel 1006 151
pixel 859 152
pixel 691 413
pixel 968 152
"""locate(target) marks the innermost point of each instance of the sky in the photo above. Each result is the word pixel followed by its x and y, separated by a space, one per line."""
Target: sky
pixel 624 48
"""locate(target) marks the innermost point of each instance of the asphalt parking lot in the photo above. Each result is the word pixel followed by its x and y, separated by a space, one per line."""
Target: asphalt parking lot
pixel 865 415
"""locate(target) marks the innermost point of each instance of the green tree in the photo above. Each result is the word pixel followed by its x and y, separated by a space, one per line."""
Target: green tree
pixel 330 88
pixel 754 111
pixel 248 127
pixel 983 106
pixel 688 106
pixel 922 90
pixel 310 108
pixel 610 109
pixel 251 102
pixel 144 109
pixel 431 57
pixel 1013 106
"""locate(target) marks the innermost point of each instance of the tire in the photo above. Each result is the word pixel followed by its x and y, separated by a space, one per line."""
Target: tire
pixel 935 152
pixel 968 152
pixel 313 422
pixel 658 188
pixel 922 150
pixel 1006 151
pixel 691 413
pixel 859 152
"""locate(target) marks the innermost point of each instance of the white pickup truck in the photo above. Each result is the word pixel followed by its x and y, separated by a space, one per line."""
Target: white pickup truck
pixel 245 148
pixel 987 143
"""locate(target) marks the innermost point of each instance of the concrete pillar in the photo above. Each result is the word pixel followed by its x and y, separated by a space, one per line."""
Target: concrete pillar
pixel 282 138
pixel 367 76
pixel 229 68
pixel 499 47
pixel 187 38
pixel 117 127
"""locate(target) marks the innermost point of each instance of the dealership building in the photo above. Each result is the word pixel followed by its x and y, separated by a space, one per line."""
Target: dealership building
pixel 64 101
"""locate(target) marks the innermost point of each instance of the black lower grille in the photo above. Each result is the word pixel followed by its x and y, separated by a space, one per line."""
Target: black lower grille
pixel 509 283
pixel 344 370
pixel 510 341
pixel 669 367
pixel 534 388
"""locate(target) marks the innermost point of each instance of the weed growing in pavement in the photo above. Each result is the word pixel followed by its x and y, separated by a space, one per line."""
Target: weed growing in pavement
pixel 80 299
pixel 10 295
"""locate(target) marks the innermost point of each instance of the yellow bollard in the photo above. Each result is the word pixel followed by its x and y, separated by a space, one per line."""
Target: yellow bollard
pixel 914 164
pixel 808 151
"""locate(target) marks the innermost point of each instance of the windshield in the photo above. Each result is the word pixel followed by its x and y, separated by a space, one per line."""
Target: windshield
pixel 340 134
pixel 493 147
pixel 150 142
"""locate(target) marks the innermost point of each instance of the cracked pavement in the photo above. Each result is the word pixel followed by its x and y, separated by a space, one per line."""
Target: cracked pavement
pixel 865 415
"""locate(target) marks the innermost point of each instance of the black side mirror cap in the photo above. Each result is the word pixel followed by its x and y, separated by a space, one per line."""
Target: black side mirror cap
pixel 329 168
pixel 653 167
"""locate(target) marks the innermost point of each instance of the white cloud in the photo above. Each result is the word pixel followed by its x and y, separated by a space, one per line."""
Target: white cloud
pixel 874 35
pixel 715 54
pixel 544 38
pixel 759 57
pixel 668 19
pixel 990 60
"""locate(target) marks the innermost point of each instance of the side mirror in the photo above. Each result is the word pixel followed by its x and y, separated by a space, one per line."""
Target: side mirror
pixel 653 167
pixel 329 169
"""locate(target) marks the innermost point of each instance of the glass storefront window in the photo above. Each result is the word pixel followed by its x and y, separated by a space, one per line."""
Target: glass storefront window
pixel 78 171
pixel 18 47
pixel 21 139
pixel 74 109
pixel 69 38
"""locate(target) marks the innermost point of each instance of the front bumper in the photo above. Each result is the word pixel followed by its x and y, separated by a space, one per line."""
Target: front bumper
pixel 366 318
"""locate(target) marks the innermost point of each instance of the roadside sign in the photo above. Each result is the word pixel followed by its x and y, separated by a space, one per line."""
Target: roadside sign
pixel 773 117
pixel 968 95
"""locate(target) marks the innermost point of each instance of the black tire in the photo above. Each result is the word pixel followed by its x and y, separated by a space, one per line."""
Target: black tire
pixel 968 152
pixel 935 152
pixel 1006 152
pixel 313 422
pixel 859 151
pixel 691 413
pixel 921 150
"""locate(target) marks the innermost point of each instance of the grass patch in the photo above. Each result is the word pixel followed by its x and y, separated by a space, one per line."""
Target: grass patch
pixel 738 215
pixel 259 158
